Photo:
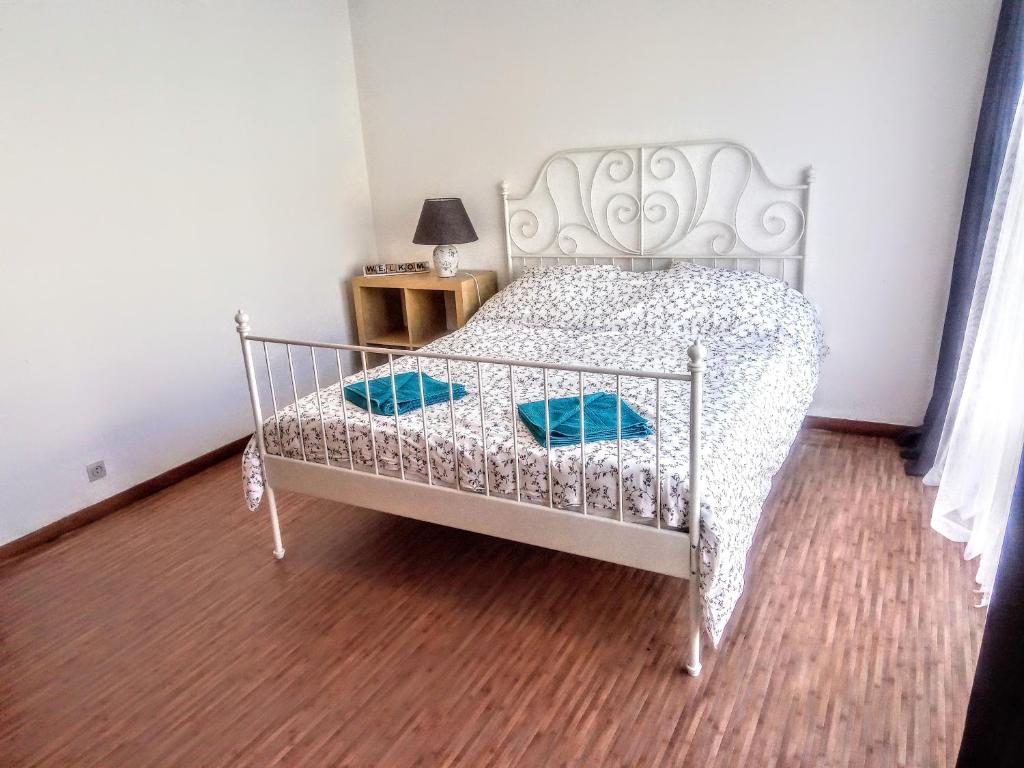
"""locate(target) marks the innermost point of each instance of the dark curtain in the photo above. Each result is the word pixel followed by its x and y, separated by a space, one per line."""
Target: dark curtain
pixel 994 729
pixel 1002 88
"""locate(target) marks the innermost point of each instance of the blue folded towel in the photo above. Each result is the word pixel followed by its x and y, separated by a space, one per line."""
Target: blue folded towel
pixel 407 391
pixel 598 418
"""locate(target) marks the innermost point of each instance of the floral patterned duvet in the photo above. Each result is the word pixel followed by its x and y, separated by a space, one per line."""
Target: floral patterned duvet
pixel 764 346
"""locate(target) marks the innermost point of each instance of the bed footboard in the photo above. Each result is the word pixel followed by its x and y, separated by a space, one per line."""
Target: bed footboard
pixel 648 544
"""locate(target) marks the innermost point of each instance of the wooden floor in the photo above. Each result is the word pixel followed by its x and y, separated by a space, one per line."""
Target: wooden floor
pixel 168 635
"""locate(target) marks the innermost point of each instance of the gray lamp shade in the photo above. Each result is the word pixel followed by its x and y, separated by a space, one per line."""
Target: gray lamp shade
pixel 444 221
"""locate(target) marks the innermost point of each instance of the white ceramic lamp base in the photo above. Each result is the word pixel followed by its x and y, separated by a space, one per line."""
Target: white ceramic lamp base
pixel 446 260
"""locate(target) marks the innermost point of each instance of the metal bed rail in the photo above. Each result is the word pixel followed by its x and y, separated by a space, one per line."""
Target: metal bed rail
pixel 694 375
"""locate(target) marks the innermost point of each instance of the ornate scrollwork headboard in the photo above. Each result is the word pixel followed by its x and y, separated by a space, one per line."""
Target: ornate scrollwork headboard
pixel 647 206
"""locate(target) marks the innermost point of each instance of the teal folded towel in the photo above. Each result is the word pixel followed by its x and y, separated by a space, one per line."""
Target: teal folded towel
pixel 407 391
pixel 598 420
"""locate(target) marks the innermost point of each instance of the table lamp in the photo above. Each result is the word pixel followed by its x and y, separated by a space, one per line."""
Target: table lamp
pixel 444 223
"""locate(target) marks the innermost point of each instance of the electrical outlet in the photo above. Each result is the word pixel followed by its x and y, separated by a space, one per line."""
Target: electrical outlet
pixel 96 471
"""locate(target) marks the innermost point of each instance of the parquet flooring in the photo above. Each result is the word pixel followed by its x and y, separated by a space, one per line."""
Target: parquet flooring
pixel 166 634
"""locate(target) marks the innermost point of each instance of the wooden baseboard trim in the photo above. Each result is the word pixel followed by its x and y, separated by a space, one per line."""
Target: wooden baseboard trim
pixel 120 500
pixel 854 427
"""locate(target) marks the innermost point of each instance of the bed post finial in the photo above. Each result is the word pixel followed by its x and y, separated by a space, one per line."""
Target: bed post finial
pixel 697 354
pixel 505 188
pixel 809 175
pixel 241 322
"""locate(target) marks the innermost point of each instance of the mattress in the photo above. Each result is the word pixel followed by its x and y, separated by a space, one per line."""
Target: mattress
pixel 764 347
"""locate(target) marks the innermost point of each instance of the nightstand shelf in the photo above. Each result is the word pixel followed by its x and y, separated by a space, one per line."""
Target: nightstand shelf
pixel 410 311
pixel 399 338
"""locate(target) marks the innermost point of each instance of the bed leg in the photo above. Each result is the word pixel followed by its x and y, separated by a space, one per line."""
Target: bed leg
pixel 693 666
pixel 242 326
pixel 274 522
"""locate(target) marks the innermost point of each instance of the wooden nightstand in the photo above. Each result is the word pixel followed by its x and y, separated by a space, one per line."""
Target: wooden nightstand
pixel 408 311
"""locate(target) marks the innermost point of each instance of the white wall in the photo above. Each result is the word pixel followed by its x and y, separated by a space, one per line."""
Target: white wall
pixel 163 163
pixel 882 96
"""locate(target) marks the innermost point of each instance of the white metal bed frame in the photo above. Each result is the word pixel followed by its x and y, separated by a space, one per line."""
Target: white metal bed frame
pixel 541 227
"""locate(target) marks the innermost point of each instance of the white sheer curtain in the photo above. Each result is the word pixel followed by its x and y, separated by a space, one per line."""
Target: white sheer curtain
pixel 980 448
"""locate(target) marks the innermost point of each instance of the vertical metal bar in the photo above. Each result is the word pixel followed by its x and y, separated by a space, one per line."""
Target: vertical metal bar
pixel 515 429
pixel 657 451
pixel 695 366
pixel 504 187
pixel 583 450
pixel 398 426
pixel 344 409
pixel 273 400
pixel 618 440
pixel 369 415
pixel 295 392
pixel 640 214
pixel 242 326
pixel 547 439
pixel 451 414
pixel 483 427
pixel 802 261
pixel 423 417
pixel 319 405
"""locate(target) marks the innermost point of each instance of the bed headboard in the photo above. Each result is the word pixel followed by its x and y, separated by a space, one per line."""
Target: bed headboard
pixel 646 206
